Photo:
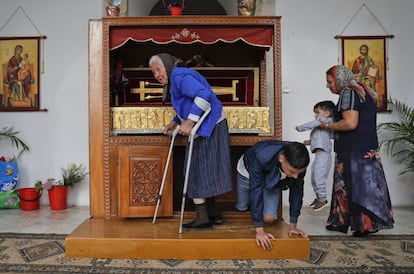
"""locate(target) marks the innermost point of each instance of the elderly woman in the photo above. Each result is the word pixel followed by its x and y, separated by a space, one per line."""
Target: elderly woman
pixel 210 171
pixel 360 197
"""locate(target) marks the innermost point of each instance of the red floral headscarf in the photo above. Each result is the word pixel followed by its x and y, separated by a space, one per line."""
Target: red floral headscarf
pixel 344 78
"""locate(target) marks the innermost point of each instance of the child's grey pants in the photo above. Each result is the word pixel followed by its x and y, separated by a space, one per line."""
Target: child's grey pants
pixel 320 170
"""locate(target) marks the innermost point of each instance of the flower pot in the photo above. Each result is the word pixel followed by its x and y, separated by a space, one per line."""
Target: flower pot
pixel 58 197
pixel 176 11
pixel 29 198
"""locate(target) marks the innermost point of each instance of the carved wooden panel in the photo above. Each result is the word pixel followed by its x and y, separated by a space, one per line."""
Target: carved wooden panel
pixel 141 169
pixel 151 120
pixel 145 183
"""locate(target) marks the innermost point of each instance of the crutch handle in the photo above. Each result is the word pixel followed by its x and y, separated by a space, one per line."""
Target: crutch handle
pixel 175 132
pixel 199 122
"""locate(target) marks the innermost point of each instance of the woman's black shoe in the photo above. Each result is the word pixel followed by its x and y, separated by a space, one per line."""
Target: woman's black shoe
pixel 216 220
pixel 363 234
pixel 340 228
pixel 194 226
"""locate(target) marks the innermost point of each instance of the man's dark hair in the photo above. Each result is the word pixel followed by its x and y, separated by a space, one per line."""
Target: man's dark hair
pixel 297 155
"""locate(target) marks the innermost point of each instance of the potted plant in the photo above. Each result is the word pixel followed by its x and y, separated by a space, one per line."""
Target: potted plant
pixel 73 174
pixel 400 145
pixel 58 189
pixel 9 174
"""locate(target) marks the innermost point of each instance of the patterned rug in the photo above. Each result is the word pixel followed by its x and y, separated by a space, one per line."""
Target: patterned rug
pixel 45 253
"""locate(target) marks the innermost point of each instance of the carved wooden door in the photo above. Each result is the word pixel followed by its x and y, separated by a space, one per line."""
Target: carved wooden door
pixel 140 171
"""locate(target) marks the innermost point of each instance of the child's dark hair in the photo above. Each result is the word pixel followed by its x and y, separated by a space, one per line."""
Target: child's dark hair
pixel 325 105
pixel 297 155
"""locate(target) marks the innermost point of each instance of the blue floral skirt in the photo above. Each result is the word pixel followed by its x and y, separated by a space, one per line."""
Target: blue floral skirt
pixel 360 196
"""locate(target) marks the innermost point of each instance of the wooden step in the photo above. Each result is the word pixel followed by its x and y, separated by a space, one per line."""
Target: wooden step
pixel 140 238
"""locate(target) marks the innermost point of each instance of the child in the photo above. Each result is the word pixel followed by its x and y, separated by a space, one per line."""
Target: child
pixel 24 68
pixel 321 145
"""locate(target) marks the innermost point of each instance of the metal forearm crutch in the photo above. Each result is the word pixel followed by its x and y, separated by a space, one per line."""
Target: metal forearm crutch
pixel 174 134
pixel 187 169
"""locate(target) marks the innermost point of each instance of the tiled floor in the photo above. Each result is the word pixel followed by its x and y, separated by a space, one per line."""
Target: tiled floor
pixel 313 223
pixel 64 221
pixel 43 220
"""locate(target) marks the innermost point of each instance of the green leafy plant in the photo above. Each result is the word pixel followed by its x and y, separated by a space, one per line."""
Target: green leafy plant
pixel 177 4
pixel 73 174
pixel 49 184
pixel 10 134
pixel 38 185
pixel 401 143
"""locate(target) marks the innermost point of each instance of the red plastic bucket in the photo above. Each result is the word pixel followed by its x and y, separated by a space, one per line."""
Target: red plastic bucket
pixel 58 197
pixel 29 198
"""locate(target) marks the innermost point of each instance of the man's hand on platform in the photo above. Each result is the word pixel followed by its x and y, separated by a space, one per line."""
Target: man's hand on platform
pixel 293 230
pixel 263 238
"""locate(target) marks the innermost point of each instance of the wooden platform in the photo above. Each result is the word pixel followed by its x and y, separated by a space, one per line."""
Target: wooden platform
pixel 140 238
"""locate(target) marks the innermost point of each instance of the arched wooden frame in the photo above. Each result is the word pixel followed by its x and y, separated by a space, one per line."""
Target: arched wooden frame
pixel 103 198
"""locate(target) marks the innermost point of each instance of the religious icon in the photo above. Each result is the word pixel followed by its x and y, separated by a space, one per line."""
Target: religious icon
pixel 19 65
pixel 365 57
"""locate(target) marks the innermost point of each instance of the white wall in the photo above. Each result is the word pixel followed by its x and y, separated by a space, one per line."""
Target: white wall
pixel 309 49
pixel 60 136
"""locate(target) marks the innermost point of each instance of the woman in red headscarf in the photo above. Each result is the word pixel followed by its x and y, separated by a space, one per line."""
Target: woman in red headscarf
pixel 360 197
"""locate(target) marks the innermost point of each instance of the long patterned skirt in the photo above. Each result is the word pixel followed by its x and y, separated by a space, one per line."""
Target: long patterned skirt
pixel 210 171
pixel 360 196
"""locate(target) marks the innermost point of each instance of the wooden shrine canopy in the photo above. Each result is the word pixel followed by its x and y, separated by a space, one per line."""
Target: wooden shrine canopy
pixel 252 35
